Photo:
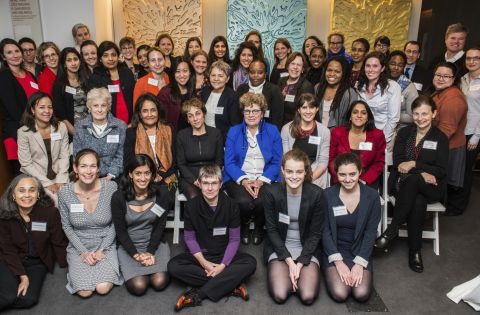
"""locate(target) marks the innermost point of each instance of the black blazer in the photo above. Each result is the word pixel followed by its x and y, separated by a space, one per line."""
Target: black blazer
pixel 129 151
pixel 434 162
pixel 274 102
pixel 231 113
pixel 369 212
pixel 101 78
pixel 119 209
pixel 13 101
pixel 312 209
pixel 422 76
pixel 289 108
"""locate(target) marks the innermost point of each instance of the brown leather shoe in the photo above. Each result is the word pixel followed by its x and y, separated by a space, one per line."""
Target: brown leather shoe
pixel 188 299
pixel 241 292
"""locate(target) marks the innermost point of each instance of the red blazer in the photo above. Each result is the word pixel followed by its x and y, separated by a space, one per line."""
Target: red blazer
pixel 50 244
pixel 372 161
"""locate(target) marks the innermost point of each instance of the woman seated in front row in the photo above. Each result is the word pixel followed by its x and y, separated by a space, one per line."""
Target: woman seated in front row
pixel 102 133
pixel 151 135
pixel 349 233
pixel 31 240
pixel 420 161
pixel 139 217
pixel 360 137
pixel 196 146
pixel 85 209
pixel 43 145
pixel 253 152
pixel 294 214
pixel 213 265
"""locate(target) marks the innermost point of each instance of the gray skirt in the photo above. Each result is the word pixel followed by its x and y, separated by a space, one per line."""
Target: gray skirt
pixel 456 166
pixel 131 268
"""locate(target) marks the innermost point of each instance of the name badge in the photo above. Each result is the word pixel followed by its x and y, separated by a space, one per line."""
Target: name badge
pixel 289 98
pixel 152 81
pixel 475 87
pixel 339 211
pixel 267 114
pixel 113 88
pixel 113 138
pixel 418 86
pixel 54 136
pixel 219 110
pixel 365 146
pixel 70 90
pixel 39 226
pixel 219 231
pixel 430 145
pixel 34 85
pixel 314 140
pixel 76 207
pixel 283 218
pixel 283 74
pixel 159 211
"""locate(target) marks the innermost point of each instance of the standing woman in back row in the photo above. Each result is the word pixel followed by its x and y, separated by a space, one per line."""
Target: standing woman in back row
pixel 166 45
pixel 244 55
pixel 48 53
pixel 219 50
pixel 281 50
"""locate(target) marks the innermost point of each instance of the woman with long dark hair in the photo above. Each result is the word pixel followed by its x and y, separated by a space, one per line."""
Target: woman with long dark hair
pixel 219 50
pixel 317 58
pixel 89 50
pixel 281 50
pixel 244 55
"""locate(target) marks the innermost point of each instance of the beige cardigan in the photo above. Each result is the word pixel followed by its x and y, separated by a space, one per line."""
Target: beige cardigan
pixel 32 155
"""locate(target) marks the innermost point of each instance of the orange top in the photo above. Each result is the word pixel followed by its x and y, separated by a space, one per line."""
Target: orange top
pixel 143 86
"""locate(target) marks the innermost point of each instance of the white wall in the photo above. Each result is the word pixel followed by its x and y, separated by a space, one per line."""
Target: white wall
pixel 6 26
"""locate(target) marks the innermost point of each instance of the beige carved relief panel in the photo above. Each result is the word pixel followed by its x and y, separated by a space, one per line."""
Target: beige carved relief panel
pixel 146 19
pixel 371 18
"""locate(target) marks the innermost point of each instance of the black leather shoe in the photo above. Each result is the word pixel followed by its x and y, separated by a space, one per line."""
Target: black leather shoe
pixel 258 234
pixel 415 261
pixel 384 241
pixel 245 234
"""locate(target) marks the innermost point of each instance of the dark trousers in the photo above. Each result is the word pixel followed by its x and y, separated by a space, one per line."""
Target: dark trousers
pixel 189 190
pixel 248 206
pixel 9 282
pixel 186 268
pixel 167 194
pixel 410 206
pixel 457 200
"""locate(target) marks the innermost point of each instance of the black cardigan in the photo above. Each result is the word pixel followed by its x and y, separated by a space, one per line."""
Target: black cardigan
pixel 193 152
pixel 63 103
pixel 101 78
pixel 274 101
pixel 119 209
pixel 231 113
pixel 290 108
pixel 312 212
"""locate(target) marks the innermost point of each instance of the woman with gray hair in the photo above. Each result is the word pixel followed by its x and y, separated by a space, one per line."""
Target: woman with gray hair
pixel 102 132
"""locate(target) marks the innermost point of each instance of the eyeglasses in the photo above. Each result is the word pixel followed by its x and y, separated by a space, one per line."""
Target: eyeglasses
pixel 252 111
pixel 51 56
pixel 28 51
pixel 474 59
pixel 439 76
pixel 379 45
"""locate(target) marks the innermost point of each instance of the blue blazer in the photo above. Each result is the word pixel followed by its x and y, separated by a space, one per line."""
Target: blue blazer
pixel 369 212
pixel 236 147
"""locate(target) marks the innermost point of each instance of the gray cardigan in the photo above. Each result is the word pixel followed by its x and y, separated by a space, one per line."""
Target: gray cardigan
pixel 338 118
pixel 323 149
pixel 108 145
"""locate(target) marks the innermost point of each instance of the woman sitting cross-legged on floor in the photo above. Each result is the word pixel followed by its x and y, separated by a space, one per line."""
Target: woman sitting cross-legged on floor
pixel 213 265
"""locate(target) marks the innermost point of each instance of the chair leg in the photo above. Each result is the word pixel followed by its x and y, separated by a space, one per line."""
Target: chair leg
pixel 436 240
pixel 176 220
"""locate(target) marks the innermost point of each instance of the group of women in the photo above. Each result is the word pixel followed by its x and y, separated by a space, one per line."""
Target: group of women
pixel 274 138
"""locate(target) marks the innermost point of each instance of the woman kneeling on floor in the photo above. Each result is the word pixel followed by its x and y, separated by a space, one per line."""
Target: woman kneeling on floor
pixel 213 265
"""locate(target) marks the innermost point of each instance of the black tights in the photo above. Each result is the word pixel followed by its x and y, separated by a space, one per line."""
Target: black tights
pixel 139 285
pixel 280 286
pixel 339 291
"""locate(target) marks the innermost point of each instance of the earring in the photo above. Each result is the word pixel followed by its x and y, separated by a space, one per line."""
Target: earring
pixel 13 198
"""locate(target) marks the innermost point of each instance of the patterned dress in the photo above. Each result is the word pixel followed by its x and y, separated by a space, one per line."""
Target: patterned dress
pixel 89 232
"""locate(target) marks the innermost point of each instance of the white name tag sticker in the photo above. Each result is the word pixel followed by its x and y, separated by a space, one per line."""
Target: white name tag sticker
pixel 283 74
pixel 113 138
pixel 430 145
pixel 340 210
pixel 219 231
pixel 475 87
pixel 34 85
pixel 267 114
pixel 159 211
pixel 365 146
pixel 418 86
pixel 70 90
pixel 289 98
pixel 152 81
pixel 283 218
pixel 39 226
pixel 115 88
pixel 76 207
pixel 314 140
pixel 54 136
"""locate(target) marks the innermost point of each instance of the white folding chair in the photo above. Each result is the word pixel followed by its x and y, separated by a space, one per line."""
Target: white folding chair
pixel 173 221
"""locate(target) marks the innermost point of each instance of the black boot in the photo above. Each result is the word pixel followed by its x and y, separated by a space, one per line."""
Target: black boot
pixel 258 234
pixel 415 261
pixel 245 234
pixel 384 240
